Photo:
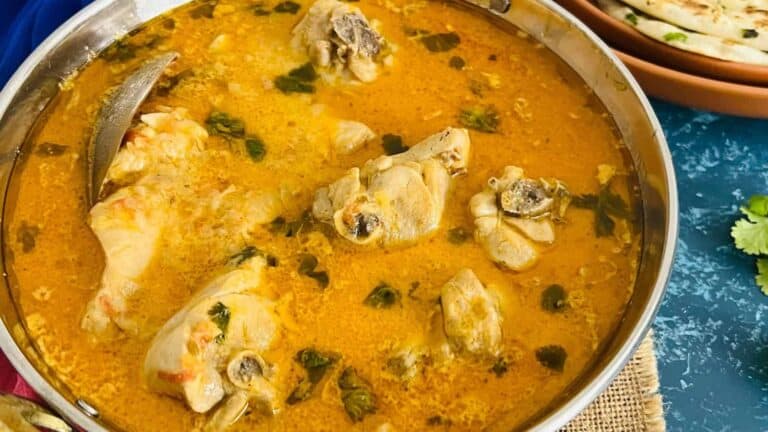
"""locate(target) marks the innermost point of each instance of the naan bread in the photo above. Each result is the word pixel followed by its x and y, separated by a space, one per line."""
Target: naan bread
pixel 711 46
pixel 743 4
pixel 743 21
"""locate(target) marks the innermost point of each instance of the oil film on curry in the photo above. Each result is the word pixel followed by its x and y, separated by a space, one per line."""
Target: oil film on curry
pixel 374 215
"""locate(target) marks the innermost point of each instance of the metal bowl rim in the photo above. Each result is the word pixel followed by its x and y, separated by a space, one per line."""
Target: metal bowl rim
pixel 579 401
pixel 554 420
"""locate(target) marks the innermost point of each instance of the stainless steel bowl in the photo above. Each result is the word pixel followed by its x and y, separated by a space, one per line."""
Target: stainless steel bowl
pixel 24 99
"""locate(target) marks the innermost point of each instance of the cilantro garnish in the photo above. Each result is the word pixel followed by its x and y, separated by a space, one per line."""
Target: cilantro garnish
pixel 220 315
pixel 607 206
pixel 750 235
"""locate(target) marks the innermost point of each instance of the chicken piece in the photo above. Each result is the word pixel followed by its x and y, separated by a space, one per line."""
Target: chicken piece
pixel 471 316
pixel 440 350
pixel 337 35
pixel 351 135
pixel 231 212
pixel 21 415
pixel 467 320
pixel 211 349
pixel 161 140
pixel 407 359
pixel 128 225
pixel 395 199
pixel 505 245
pixel 130 221
pixel 514 214
pixel 156 189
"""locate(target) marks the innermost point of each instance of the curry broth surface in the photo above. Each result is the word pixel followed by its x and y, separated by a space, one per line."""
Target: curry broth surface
pixel 550 126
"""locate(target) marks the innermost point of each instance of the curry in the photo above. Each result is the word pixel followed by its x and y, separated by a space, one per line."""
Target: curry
pixel 381 215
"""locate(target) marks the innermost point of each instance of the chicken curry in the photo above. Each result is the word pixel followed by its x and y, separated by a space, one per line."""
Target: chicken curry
pixel 385 215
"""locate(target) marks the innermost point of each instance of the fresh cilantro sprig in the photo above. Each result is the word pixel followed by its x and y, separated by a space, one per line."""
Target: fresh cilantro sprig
pixel 751 236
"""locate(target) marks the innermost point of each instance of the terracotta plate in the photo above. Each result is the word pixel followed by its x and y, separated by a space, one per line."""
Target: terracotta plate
pixel 629 40
pixel 697 92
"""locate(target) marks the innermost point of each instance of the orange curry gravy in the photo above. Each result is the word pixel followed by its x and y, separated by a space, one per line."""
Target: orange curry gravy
pixel 549 124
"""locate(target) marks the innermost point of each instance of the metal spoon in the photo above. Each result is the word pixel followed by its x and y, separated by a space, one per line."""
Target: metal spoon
pixel 115 117
pixel 17 411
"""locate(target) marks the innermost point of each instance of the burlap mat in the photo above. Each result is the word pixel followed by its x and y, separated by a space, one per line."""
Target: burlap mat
pixel 631 404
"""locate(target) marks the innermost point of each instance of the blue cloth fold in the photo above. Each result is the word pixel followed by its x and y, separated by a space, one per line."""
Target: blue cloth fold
pixel 24 24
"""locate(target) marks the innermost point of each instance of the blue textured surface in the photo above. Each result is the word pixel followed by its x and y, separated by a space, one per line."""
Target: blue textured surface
pixel 712 335
pixel 712 341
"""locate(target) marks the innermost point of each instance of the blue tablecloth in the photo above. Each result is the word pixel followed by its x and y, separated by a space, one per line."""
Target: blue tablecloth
pixel 712 331
pixel 26 23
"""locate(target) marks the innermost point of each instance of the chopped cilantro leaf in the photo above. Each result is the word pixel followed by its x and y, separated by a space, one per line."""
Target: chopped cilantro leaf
pixel 311 358
pixel 440 42
pixel 298 80
pixel 307 265
pixel 165 87
pixel 120 51
pixel 220 315
pixel 316 364
pixel 27 235
pixel 288 85
pixel 305 72
pixel 500 367
pixel 606 205
pixel 260 9
pixel 255 148
pixel 457 63
pixel 223 124
pixel 204 10
pixel 437 420
pixel 321 277
pixel 554 298
pixel 382 297
pixel 244 255
pixel 393 144
pixel 356 395
pixel 481 118
pixel 301 393
pixel 749 33
pixel 288 7
pixel 552 357
pixel 675 36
